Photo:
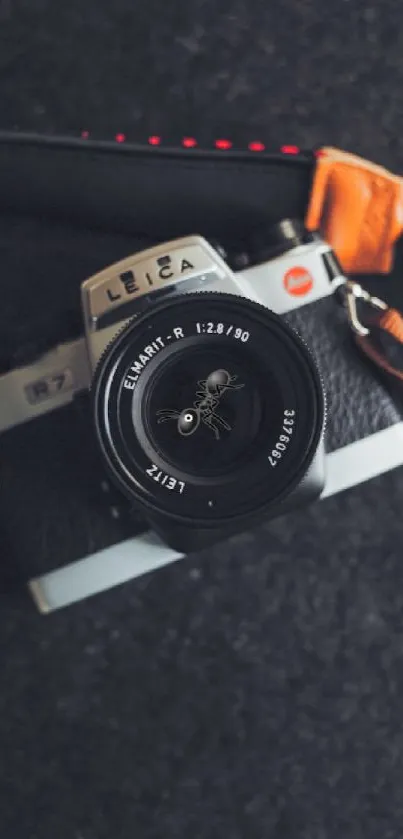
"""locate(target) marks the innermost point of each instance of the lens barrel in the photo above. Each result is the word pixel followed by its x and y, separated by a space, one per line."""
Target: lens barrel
pixel 208 408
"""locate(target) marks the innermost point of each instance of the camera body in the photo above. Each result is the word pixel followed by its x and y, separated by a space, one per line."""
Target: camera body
pixel 187 360
pixel 290 272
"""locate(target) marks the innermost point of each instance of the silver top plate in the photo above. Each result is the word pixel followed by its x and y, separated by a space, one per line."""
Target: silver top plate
pixel 148 271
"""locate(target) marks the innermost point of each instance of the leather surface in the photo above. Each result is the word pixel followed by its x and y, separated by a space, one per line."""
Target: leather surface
pixel 357 206
pixel 151 191
pixel 87 207
pixel 53 499
pixel 358 402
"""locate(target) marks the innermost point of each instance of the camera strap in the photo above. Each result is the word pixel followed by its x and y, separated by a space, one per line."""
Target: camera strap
pixel 377 327
pixel 358 208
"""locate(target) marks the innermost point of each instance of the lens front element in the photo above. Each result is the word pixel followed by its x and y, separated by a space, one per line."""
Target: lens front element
pixel 206 407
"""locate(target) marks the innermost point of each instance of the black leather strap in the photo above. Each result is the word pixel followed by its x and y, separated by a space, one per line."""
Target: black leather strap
pixel 154 192
pixel 19 347
pixel 93 203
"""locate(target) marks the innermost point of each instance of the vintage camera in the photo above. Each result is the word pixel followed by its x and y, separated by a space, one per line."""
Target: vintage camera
pixel 216 392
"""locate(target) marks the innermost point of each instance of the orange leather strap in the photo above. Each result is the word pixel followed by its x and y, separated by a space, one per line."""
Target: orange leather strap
pixel 392 321
pixel 358 208
pixel 379 357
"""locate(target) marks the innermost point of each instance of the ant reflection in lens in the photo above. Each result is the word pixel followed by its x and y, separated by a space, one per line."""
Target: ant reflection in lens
pixel 203 410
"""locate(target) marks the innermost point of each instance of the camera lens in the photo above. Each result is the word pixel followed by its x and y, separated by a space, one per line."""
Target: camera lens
pixel 208 409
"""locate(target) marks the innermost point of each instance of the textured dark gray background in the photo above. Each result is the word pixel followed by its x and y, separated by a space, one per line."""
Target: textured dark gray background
pixel 257 691
pixel 302 74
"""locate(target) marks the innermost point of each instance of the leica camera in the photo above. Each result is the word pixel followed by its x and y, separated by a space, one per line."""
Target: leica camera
pixel 209 385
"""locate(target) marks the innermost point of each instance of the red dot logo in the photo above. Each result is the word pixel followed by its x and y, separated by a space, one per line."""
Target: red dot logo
pixel 298 281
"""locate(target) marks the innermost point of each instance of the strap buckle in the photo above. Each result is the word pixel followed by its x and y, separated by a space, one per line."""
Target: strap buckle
pixel 382 340
pixel 353 292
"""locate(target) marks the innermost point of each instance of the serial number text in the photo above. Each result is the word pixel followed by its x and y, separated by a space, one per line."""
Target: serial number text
pixel 284 439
